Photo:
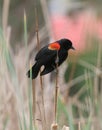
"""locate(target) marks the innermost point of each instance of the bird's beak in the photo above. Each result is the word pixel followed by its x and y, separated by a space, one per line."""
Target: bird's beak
pixel 72 48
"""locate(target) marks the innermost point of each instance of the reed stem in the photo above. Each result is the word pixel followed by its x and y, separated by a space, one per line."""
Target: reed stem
pixel 41 81
pixel 56 90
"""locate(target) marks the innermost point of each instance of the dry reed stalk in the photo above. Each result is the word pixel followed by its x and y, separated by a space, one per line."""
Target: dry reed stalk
pixel 40 113
pixel 6 28
pixel 33 81
pixel 34 100
pixel 5 13
pixel 56 91
pixel 41 81
pixel 79 125
pixel 37 29
pixel 43 103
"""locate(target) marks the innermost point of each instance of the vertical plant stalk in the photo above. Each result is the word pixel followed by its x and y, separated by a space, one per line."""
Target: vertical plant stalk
pixel 25 36
pixel 6 28
pixel 79 125
pixel 5 13
pixel 41 118
pixel 41 81
pixel 33 96
pixel 34 100
pixel 56 91
pixel 96 80
pixel 37 29
pixel 33 83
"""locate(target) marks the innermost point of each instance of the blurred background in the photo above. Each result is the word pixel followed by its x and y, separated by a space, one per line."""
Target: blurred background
pixel 80 77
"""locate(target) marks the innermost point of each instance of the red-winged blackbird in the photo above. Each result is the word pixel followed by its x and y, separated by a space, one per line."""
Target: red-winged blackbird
pixel 49 56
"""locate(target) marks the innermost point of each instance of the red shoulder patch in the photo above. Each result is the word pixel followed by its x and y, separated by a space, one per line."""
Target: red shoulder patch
pixel 54 46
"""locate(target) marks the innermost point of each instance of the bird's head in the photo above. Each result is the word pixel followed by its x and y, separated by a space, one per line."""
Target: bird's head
pixel 66 44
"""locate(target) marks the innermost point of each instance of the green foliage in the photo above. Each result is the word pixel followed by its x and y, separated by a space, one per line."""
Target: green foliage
pixel 63 110
pixel 89 57
pixel 83 67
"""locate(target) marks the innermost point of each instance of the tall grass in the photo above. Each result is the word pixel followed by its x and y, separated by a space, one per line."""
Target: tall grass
pixel 79 110
pixel 11 83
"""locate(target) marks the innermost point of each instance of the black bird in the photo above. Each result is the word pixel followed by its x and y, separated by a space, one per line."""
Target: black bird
pixel 49 56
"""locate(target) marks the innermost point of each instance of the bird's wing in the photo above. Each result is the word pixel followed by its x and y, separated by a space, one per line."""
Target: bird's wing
pixel 45 53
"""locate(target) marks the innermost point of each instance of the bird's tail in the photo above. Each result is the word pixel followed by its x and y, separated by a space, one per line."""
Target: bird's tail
pixel 33 72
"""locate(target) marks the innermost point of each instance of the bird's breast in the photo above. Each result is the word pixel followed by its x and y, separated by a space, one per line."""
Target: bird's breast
pixel 62 57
